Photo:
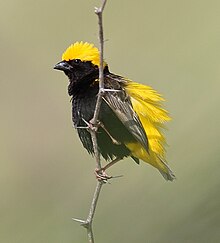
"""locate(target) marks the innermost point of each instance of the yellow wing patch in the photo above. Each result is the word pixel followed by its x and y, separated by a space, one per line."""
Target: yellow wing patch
pixel 83 51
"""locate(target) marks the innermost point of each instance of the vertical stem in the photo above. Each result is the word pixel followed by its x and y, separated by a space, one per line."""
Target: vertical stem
pixel 99 12
pixel 95 147
pixel 94 201
pixel 88 222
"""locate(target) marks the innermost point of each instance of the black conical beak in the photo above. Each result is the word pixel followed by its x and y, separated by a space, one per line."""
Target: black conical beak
pixel 63 66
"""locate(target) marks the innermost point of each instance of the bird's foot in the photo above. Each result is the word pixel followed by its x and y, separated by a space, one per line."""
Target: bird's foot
pixel 101 175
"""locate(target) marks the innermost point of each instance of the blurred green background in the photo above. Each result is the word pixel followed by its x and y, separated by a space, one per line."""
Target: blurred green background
pixel 46 177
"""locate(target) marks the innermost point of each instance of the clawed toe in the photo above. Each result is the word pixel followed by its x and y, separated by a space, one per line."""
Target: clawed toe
pixel 101 175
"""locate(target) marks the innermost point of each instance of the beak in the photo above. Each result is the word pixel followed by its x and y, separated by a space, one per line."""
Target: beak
pixel 63 66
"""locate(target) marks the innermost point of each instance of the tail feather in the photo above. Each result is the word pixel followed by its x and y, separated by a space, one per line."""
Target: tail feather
pixel 168 174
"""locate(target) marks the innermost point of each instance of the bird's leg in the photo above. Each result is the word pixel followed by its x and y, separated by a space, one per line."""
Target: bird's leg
pixel 114 161
pixel 101 174
pixel 114 141
pixel 91 126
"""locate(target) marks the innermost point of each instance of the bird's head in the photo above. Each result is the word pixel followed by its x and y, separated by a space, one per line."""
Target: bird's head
pixel 79 61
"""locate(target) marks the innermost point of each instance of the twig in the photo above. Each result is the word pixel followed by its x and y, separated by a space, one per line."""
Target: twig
pixel 88 222
pixel 93 129
pixel 99 12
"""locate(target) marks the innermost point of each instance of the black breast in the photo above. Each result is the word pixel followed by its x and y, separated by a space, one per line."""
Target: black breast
pixel 83 106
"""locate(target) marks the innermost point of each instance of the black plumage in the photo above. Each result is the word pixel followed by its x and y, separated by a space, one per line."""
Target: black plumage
pixel 118 122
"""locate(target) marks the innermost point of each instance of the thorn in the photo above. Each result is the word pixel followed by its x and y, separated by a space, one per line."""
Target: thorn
pixel 117 176
pixel 112 90
pixel 81 127
pixel 86 224
pixel 103 90
pixel 79 221
pixel 87 123
pixel 97 10
pixel 112 177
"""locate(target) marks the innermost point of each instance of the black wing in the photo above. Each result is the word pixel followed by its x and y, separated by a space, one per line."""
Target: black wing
pixel 121 105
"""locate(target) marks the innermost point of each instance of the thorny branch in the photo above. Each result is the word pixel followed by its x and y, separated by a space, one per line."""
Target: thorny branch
pixel 93 129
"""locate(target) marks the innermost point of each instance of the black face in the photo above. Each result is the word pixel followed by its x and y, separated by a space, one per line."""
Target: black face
pixel 76 70
pixel 81 74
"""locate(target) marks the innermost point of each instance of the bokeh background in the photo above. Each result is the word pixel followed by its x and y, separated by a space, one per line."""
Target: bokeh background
pixel 46 177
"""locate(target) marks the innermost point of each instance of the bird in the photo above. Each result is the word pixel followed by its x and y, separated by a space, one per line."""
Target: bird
pixel 131 118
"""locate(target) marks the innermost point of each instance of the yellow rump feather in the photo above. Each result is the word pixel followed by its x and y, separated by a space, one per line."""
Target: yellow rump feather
pixel 147 104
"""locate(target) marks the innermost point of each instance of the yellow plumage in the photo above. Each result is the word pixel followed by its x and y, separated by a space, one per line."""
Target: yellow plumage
pixel 83 51
pixel 146 103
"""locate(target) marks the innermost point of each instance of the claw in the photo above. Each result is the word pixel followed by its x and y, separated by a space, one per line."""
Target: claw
pixel 101 175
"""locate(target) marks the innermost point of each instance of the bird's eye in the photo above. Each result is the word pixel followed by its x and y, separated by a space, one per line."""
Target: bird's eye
pixel 77 60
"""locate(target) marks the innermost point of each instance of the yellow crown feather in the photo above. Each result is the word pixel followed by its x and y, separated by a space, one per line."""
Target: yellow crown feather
pixel 83 51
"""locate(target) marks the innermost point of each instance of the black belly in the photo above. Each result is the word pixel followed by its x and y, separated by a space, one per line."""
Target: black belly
pixel 83 108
